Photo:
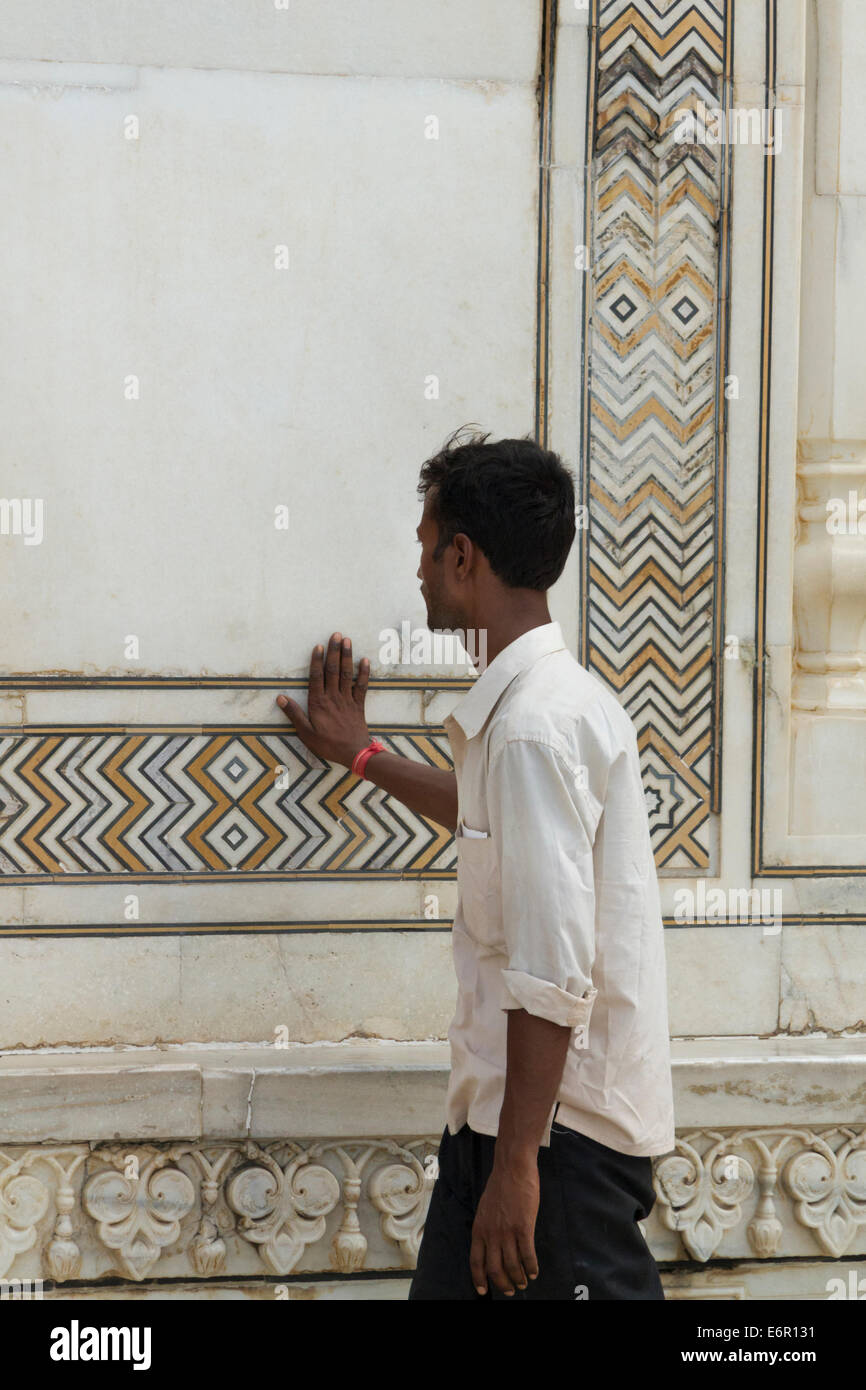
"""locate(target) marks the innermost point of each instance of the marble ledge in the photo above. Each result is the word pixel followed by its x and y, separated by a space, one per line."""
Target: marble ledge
pixel 356 1089
pixel 789 1280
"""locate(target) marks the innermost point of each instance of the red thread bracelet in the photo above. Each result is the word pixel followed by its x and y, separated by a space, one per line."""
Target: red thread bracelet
pixel 361 758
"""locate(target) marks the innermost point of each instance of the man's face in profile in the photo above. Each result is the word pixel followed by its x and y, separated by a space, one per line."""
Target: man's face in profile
pixel 442 612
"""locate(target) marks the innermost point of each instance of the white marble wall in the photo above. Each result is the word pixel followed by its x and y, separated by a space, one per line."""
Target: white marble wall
pixel 156 162
pixel 817 625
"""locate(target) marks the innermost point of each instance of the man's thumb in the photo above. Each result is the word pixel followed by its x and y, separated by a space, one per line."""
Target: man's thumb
pixel 293 711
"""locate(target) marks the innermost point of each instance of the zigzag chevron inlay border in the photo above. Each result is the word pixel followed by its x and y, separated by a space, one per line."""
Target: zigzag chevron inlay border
pixel 95 803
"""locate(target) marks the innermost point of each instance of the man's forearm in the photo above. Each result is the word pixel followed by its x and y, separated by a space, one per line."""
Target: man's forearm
pixel 536 1055
pixel 428 791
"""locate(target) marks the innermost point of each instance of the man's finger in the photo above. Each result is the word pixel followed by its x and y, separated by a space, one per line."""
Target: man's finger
pixel 360 691
pixel 526 1250
pixel 496 1271
pixel 511 1261
pixel 332 664
pixel 316 685
pixel 346 667
pixel 476 1264
pixel 294 712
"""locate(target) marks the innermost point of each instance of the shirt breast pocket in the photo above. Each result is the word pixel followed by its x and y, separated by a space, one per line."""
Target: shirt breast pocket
pixel 478 881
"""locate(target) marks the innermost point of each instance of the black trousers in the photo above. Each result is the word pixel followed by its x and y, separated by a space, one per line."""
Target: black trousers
pixel 587 1242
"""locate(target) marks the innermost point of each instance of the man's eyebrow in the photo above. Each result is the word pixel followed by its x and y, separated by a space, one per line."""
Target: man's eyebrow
pixel 418 532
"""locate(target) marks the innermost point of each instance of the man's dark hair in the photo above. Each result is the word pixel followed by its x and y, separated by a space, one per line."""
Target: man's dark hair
pixel 514 499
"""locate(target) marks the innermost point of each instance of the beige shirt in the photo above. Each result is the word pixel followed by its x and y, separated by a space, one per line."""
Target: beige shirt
pixel 557 898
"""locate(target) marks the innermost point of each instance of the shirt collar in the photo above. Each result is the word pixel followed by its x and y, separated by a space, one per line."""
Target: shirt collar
pixel 526 649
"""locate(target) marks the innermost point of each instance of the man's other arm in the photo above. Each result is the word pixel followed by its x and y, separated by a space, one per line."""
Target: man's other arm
pixel 543 825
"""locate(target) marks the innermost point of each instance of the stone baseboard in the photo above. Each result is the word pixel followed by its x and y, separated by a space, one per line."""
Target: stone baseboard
pixel 209 1167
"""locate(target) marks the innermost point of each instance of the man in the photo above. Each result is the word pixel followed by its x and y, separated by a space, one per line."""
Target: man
pixel 560 1086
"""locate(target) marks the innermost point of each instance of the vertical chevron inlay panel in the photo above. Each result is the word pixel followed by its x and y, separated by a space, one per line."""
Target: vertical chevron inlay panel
pixel 652 427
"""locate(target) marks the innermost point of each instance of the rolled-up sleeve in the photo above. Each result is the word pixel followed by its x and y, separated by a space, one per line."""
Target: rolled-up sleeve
pixel 543 828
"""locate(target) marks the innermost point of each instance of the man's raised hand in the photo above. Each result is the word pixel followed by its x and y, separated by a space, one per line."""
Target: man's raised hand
pixel 334 727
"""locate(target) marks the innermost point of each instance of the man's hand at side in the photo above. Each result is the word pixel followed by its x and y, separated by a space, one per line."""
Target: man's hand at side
pixel 503 1234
